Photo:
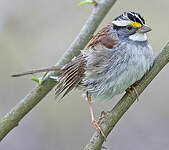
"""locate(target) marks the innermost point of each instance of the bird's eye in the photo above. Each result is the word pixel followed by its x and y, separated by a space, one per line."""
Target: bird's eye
pixel 129 28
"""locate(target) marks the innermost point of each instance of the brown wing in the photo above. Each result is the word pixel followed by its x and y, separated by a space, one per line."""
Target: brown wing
pixel 72 75
pixel 103 37
pixel 74 71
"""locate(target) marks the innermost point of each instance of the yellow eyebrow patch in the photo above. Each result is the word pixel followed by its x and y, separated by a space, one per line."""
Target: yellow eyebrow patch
pixel 135 24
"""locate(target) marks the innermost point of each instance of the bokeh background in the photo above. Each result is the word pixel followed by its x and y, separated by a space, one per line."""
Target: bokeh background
pixel 35 34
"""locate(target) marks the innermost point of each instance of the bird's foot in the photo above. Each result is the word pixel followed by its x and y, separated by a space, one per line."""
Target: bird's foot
pixel 135 91
pixel 98 128
pixel 95 123
pixel 101 117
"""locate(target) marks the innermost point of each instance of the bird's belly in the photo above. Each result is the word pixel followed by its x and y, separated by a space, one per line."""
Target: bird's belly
pixel 114 83
pixel 119 74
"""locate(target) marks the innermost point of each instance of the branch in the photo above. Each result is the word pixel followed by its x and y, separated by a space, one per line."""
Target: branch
pixel 113 116
pixel 11 119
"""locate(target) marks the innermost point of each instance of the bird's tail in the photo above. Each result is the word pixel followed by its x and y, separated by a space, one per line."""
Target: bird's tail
pixel 53 68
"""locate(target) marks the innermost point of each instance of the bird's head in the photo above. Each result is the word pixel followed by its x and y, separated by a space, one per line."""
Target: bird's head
pixel 131 25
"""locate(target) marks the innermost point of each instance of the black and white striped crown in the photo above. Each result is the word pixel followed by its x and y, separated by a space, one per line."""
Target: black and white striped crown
pixel 127 17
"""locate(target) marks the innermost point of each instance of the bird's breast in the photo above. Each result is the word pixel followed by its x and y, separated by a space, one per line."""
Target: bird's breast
pixel 112 73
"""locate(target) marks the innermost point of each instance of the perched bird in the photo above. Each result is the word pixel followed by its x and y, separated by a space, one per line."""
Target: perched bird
pixel 116 57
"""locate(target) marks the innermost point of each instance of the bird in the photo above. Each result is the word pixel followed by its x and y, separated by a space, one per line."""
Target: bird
pixel 115 58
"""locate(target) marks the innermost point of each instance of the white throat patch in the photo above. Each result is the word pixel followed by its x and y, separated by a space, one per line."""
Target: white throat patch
pixel 138 37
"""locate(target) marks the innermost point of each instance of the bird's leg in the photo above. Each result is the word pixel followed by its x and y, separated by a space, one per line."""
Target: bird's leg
pixel 93 121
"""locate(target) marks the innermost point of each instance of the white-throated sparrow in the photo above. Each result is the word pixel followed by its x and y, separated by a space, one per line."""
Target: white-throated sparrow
pixel 116 57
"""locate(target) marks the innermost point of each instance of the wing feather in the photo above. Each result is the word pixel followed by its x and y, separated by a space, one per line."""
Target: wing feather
pixel 73 72
pixel 72 76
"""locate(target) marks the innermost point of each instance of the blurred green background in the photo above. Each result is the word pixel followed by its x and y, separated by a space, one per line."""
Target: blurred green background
pixel 35 34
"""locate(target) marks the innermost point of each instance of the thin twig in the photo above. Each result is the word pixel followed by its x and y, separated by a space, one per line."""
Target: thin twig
pixel 11 119
pixel 113 116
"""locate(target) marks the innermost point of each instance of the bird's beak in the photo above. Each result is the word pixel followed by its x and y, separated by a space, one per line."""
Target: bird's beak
pixel 144 29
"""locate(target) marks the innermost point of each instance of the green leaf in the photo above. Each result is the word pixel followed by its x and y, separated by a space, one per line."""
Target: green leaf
pixel 35 79
pixel 87 2
pixel 40 79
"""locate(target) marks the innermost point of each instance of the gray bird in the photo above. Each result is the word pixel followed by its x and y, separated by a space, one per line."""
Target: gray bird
pixel 116 57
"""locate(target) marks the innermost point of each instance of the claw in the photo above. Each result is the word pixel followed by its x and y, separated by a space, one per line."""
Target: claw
pixel 99 120
pixel 135 91
pixel 129 91
pixel 101 117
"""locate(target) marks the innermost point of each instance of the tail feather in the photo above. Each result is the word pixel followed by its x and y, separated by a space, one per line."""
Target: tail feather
pixel 53 68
